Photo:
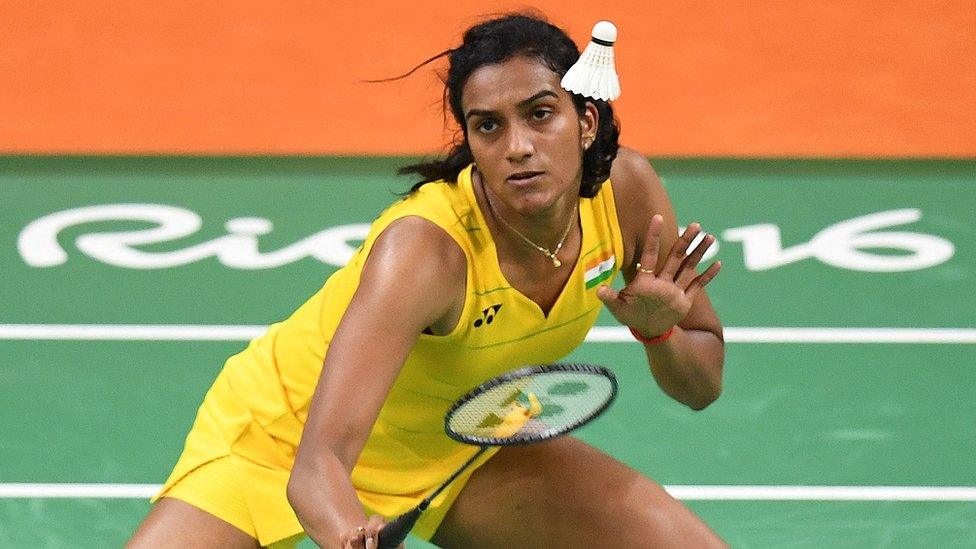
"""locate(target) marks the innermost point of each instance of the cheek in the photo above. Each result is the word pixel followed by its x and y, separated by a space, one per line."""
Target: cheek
pixel 567 143
pixel 568 133
pixel 485 153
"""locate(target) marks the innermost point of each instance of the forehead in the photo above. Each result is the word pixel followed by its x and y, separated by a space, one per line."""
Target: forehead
pixel 495 86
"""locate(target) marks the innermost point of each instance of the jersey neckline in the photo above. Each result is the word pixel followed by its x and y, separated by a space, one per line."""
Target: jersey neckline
pixel 466 181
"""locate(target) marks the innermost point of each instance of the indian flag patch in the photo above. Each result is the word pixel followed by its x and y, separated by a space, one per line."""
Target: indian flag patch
pixel 599 269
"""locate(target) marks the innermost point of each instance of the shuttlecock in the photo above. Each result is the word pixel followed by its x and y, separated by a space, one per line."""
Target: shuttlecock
pixel 594 74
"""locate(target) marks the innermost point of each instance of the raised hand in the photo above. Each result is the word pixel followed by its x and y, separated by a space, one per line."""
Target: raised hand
pixel 653 302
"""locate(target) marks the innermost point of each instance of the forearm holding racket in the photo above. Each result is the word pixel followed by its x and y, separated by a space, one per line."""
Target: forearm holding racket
pixel 377 332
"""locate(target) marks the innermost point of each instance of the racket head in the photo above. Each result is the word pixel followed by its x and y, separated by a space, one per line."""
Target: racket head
pixel 502 411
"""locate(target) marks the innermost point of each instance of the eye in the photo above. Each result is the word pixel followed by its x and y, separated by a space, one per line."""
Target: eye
pixel 487 125
pixel 541 114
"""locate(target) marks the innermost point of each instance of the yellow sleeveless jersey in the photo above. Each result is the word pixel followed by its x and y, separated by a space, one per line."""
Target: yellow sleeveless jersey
pixel 263 393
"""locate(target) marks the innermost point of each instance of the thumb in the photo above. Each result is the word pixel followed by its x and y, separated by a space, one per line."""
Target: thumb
pixel 608 296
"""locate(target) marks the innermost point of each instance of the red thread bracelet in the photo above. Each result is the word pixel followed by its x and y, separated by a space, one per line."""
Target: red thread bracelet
pixel 651 340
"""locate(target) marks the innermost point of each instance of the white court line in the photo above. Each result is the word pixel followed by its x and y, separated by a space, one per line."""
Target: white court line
pixel 824 493
pixel 73 491
pixel 138 332
pixel 604 334
pixel 701 493
pixel 815 335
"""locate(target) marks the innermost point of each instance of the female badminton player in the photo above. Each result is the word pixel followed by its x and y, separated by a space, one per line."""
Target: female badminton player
pixel 500 257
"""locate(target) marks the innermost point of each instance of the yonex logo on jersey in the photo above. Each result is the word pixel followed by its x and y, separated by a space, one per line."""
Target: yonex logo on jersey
pixel 487 315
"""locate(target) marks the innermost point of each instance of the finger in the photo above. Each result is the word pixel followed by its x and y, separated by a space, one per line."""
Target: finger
pixel 679 251
pixel 373 527
pixel 688 270
pixel 701 281
pixel 357 538
pixel 608 296
pixel 652 243
pixel 375 522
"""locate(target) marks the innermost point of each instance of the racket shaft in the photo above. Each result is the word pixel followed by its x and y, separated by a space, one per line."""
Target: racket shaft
pixel 393 533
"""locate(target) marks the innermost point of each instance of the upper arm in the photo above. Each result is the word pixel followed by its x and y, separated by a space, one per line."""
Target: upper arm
pixel 639 194
pixel 413 278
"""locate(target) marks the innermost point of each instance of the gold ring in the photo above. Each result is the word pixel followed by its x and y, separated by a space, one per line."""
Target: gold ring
pixel 645 271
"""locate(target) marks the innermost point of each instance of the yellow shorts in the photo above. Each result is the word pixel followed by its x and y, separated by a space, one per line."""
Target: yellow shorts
pixel 235 470
pixel 215 488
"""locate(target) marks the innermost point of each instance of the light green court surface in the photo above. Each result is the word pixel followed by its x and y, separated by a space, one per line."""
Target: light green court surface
pixel 805 244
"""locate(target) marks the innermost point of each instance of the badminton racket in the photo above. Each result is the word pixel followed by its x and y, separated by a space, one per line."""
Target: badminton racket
pixel 527 405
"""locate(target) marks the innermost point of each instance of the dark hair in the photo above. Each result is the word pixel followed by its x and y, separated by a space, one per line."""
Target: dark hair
pixel 496 41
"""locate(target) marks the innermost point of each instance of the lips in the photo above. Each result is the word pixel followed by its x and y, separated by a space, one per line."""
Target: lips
pixel 523 177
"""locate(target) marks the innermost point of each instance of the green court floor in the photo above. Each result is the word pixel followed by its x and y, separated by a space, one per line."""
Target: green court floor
pixel 127 281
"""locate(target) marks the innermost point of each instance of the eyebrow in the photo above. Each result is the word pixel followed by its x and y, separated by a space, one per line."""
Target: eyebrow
pixel 522 103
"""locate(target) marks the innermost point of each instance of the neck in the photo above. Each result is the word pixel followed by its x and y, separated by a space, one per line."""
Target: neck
pixel 549 230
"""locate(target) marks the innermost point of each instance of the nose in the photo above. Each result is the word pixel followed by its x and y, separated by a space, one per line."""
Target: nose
pixel 520 144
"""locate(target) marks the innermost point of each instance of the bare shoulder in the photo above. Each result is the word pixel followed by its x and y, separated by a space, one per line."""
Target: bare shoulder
pixel 418 264
pixel 639 194
pixel 413 235
pixel 634 178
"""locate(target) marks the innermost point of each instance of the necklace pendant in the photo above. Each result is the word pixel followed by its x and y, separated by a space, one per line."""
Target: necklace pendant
pixel 556 262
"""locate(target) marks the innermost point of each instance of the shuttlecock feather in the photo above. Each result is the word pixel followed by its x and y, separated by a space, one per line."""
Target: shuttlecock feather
pixel 594 74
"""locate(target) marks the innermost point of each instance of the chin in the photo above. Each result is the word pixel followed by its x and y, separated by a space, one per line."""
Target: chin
pixel 534 201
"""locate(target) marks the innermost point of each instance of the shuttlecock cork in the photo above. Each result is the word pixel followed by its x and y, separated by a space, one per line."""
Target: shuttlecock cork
pixel 594 74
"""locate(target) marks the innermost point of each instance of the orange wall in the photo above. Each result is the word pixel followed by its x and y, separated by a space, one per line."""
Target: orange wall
pixel 820 78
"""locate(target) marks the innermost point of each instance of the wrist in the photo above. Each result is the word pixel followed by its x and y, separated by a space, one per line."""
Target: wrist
pixel 651 340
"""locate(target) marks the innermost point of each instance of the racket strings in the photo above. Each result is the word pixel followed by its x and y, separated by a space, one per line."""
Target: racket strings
pixel 531 408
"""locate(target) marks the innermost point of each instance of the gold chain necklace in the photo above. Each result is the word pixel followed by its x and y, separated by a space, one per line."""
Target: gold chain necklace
pixel 545 251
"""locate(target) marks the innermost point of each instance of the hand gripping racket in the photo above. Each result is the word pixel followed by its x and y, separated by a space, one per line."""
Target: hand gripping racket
pixel 527 405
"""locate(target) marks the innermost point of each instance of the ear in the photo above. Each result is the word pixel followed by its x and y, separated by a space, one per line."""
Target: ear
pixel 589 122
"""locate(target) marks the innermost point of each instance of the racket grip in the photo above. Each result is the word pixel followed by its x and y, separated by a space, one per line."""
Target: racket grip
pixel 393 533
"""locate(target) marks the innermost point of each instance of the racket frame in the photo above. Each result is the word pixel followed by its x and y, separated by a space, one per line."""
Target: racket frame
pixel 529 371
